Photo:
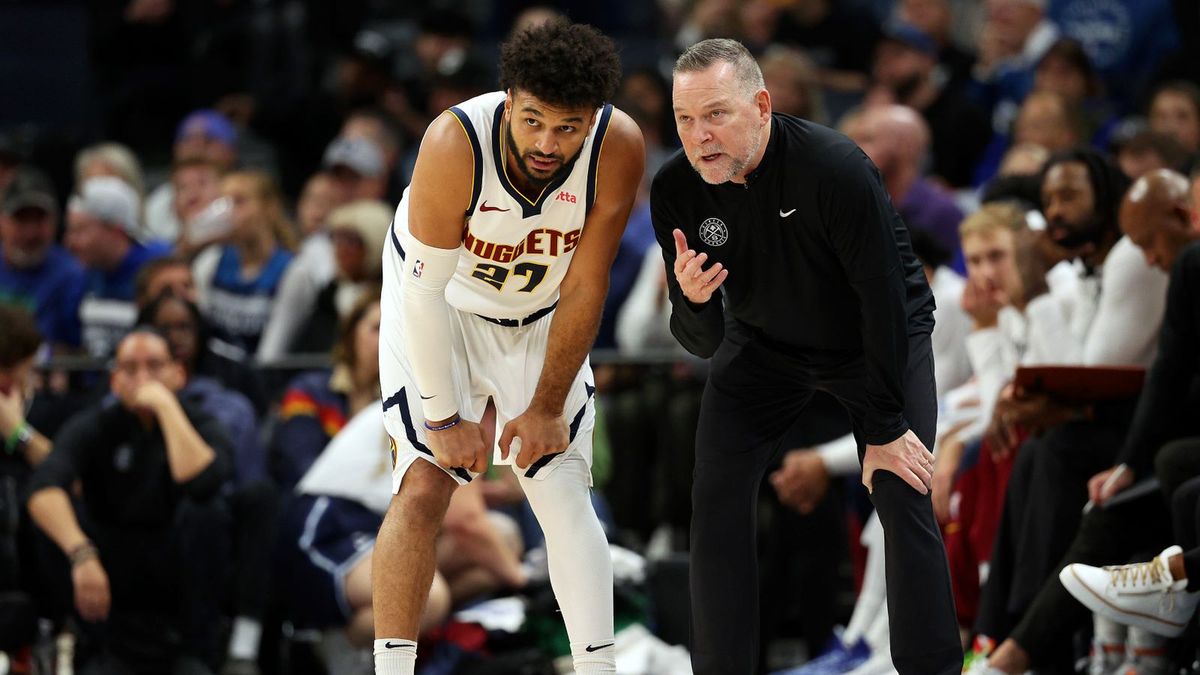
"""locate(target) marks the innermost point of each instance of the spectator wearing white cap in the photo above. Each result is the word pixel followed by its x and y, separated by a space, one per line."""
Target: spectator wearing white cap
pixel 358 231
pixel 36 273
pixel 110 159
pixel 204 135
pixel 357 165
pixel 236 282
pixel 380 128
pixel 102 232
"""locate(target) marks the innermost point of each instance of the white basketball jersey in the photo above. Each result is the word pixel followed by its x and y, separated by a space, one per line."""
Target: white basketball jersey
pixel 516 247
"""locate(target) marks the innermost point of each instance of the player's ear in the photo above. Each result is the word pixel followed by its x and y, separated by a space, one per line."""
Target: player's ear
pixel 508 100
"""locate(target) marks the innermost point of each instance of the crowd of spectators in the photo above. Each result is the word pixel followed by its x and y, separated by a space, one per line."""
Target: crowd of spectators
pixel 194 198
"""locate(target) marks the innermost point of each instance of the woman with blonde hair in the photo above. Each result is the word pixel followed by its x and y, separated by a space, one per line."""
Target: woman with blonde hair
pixel 236 282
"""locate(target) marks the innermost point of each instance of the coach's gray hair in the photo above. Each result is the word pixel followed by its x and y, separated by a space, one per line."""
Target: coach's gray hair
pixel 722 50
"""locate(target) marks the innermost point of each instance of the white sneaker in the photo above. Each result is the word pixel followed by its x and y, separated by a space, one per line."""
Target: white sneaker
pixel 1144 595
pixel 1145 654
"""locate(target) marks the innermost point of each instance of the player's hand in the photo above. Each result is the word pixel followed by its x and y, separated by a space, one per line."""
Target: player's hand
pixel 802 481
pixel 1099 494
pixel 541 434
pixel 461 445
pixel 92 595
pixel 906 457
pixel 697 283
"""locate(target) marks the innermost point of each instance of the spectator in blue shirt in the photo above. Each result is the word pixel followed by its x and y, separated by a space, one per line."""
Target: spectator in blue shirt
pixel 102 230
pixel 236 282
pixel 36 273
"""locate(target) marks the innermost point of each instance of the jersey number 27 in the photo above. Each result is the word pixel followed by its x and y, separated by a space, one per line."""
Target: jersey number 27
pixel 496 275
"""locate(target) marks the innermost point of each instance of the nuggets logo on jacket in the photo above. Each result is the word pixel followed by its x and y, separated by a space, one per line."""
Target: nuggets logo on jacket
pixel 542 241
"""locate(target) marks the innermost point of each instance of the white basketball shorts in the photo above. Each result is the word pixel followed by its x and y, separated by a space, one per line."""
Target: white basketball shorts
pixel 488 360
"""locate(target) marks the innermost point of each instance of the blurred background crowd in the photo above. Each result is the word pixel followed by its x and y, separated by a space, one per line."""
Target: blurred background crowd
pixel 224 172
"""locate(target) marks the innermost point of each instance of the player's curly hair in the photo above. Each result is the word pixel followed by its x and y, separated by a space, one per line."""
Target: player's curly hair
pixel 564 64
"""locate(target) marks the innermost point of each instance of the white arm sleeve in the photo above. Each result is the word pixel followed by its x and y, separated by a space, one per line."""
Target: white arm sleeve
pixel 427 271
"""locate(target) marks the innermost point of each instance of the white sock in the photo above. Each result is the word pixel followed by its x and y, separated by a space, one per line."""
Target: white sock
pixel 245 638
pixel 579 560
pixel 601 658
pixel 395 656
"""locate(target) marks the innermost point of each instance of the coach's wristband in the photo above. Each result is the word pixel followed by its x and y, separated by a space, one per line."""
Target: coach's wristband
pixel 445 426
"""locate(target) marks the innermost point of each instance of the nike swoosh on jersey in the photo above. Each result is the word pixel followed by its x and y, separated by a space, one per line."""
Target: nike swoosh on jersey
pixel 426 398
pixel 785 214
pixel 483 208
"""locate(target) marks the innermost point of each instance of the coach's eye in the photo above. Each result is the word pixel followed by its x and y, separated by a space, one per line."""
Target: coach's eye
pixel 717 113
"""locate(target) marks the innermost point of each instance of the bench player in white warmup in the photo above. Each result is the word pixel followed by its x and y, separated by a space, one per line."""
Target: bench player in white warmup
pixel 494 278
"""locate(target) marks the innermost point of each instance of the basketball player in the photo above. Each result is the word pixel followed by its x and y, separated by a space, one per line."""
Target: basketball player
pixel 494 279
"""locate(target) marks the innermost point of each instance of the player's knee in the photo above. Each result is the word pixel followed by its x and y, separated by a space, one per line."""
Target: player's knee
pixel 424 494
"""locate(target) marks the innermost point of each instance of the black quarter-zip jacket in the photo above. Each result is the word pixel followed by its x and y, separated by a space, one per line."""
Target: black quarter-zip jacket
pixel 820 263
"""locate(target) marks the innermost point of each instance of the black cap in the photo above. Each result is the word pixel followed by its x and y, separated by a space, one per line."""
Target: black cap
pixel 30 188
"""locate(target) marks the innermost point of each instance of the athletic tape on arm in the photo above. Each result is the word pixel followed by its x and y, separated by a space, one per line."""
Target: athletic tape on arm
pixel 427 271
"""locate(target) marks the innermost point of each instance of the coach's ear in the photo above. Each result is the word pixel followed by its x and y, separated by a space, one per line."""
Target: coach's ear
pixel 762 99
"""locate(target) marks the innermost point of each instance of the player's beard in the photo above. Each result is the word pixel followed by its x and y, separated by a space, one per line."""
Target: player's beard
pixel 733 165
pixel 537 181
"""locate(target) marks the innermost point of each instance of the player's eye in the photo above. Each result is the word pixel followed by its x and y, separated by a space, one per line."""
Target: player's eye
pixel 566 129
pixel 530 122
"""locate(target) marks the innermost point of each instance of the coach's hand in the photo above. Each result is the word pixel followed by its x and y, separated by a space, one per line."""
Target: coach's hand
pixel 697 283
pixel 461 445
pixel 906 457
pixel 541 434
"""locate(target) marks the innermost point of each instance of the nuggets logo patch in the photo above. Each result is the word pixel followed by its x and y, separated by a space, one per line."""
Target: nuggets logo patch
pixel 713 232
pixel 418 269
